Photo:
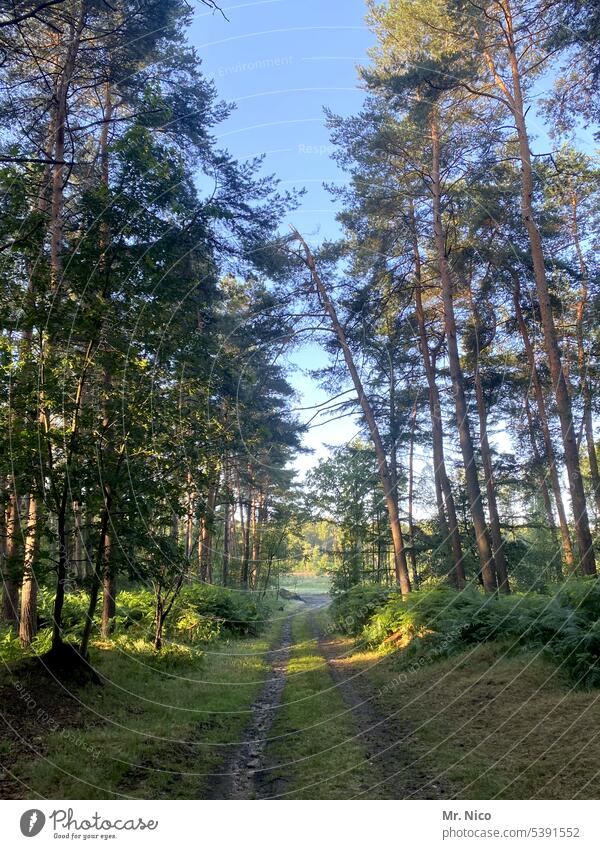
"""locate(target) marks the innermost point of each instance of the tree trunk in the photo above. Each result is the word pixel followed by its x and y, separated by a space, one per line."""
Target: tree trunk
pixel 10 587
pixel 559 383
pixel 488 470
pixel 582 360
pixel 98 573
pixel 444 495
pixel 189 518
pixel 544 489
pixel 159 620
pixel 486 557
pixel 400 563
pixel 548 445
pixel 109 593
pixel 488 467
pixel 411 481
pixel 29 589
pixel 226 540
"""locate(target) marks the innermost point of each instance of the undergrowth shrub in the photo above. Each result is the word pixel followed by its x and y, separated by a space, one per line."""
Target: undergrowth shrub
pixel 434 623
pixel 352 609
pixel 201 614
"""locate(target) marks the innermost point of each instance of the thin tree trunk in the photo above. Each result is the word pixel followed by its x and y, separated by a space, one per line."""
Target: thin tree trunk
pixel 245 507
pixel 411 488
pixel 486 557
pixel 400 562
pixel 10 587
pixel 226 539
pixel 189 517
pixel 548 445
pixel 544 489
pixel 109 591
pixel 206 536
pixel 98 573
pixel 488 470
pixel 488 467
pixel 582 360
pixel 444 495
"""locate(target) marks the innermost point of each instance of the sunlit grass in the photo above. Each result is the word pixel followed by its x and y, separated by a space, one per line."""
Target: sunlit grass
pixel 314 739
pixel 152 732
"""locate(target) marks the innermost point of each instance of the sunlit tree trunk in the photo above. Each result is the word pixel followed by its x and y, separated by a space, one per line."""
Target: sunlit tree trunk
pixel 559 383
pixel 486 557
pixel 29 587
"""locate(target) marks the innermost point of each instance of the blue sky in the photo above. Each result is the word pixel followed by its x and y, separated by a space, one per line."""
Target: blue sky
pixel 281 62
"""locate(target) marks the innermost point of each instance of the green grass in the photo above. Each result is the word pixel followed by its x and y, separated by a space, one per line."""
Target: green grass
pixel 151 733
pixel 313 739
pixel 487 723
pixel 306 582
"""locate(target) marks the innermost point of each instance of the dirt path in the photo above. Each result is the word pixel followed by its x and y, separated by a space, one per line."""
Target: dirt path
pixel 247 774
pixel 387 739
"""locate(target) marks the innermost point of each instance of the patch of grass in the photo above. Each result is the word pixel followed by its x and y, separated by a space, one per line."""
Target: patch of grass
pixel 313 738
pixel 306 582
pixel 149 732
pixel 487 723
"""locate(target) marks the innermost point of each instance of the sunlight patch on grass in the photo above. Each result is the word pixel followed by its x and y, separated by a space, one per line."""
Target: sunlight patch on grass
pixel 313 739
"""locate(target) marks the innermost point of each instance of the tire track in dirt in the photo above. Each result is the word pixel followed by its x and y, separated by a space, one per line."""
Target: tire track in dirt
pixel 243 770
pixel 387 739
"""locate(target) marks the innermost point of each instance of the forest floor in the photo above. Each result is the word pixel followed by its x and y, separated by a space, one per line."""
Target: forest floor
pixel 302 712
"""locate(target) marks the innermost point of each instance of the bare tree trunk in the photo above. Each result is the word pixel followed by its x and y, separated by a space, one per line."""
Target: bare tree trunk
pixel 206 536
pixel 10 587
pixel 486 557
pixel 98 572
pixel 444 495
pixel 109 590
pixel 548 445
pixel 245 516
pixel 559 383
pixel 582 360
pixel 29 588
pixel 488 470
pixel 544 490
pixel 189 518
pixel 226 536
pixel 488 467
pixel 400 562
pixel 411 481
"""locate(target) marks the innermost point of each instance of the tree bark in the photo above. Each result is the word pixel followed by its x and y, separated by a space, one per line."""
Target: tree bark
pixel 10 587
pixel 109 590
pixel 559 383
pixel 444 495
pixel 411 488
pixel 400 562
pixel 486 557
pixel 544 490
pixel 582 360
pixel 29 588
pixel 548 444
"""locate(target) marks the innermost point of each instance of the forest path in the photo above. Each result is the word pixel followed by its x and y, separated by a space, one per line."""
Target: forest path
pixel 244 775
